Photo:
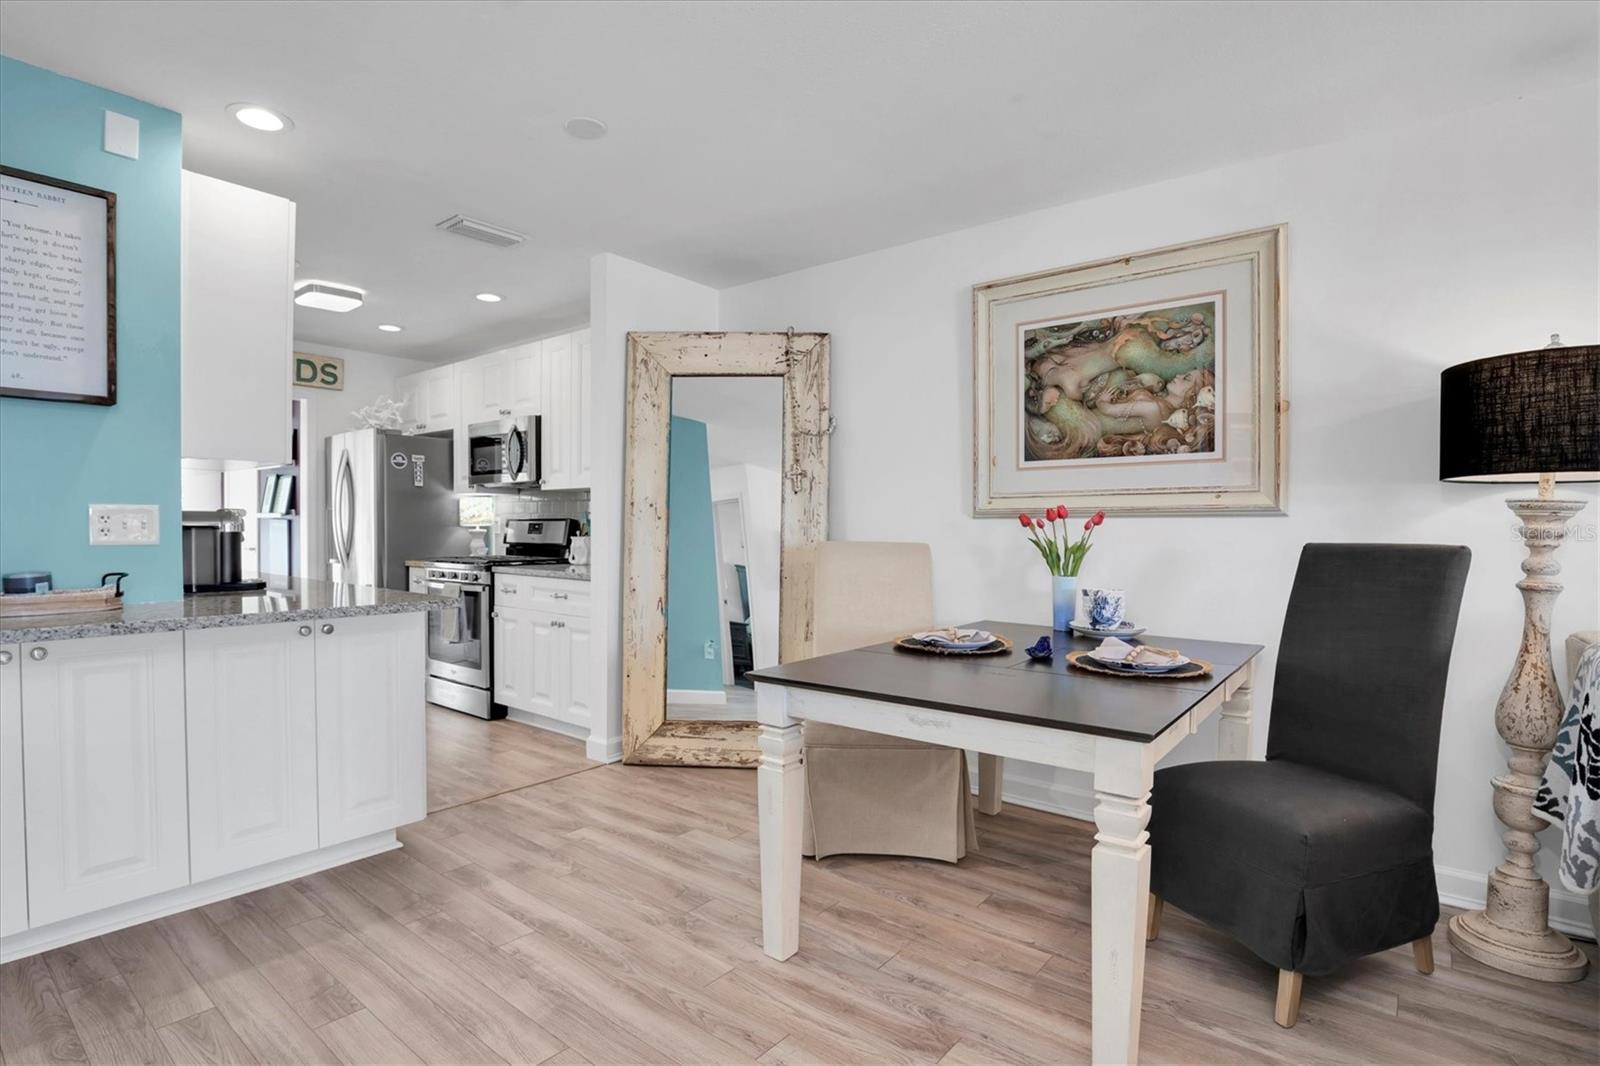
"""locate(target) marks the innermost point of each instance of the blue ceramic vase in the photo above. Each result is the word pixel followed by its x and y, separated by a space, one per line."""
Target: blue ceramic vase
pixel 1064 601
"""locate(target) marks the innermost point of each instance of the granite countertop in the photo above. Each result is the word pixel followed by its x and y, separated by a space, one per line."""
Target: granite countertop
pixel 564 573
pixel 283 600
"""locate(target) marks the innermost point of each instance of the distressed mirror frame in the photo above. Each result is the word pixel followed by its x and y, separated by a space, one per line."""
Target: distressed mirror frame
pixel 654 359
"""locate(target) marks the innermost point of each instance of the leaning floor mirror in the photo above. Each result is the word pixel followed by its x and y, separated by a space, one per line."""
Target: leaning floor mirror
pixel 726 486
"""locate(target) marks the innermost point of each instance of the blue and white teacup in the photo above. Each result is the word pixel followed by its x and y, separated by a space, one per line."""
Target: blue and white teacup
pixel 1105 608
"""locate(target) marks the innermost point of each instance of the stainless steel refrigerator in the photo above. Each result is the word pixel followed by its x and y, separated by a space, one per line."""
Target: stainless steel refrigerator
pixel 390 499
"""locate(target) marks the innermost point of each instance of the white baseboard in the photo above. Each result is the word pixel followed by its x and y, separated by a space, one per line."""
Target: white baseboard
pixel 697 696
pixel 603 749
pixel 71 930
pixel 1466 889
pixel 553 725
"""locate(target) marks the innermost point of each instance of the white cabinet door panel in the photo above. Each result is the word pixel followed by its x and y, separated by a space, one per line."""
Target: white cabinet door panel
pixel 525 378
pixel 546 665
pixel 252 746
pixel 13 842
pixel 583 406
pixel 576 706
pixel 513 655
pixel 371 725
pixel 556 427
pixel 103 743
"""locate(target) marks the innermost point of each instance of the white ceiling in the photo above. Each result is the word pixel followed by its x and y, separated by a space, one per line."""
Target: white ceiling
pixel 747 139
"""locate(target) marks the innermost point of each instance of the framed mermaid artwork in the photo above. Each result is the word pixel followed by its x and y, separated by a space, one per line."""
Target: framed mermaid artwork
pixel 1150 383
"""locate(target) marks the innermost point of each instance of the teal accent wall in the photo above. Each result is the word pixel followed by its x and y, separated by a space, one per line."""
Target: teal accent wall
pixel 693 615
pixel 58 458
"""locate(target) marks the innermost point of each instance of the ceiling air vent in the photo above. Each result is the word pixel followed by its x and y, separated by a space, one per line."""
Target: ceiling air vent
pixel 498 236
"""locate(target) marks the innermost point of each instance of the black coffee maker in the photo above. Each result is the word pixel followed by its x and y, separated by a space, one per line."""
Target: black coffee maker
pixel 213 552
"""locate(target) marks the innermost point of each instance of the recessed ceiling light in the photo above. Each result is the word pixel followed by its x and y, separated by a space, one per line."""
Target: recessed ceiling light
pixel 488 297
pixel 584 128
pixel 261 118
pixel 390 327
pixel 326 296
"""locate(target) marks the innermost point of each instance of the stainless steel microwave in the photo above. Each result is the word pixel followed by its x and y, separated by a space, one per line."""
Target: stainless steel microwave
pixel 503 452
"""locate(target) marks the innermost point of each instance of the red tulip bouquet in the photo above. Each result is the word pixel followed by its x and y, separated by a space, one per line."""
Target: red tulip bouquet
pixel 1062 555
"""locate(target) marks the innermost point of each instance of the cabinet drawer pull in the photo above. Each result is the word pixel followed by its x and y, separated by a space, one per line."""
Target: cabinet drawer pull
pixel 505 411
pixel 508 588
pixel 327 627
pixel 305 631
pixel 558 625
pixel 558 595
pixel 5 658
pixel 37 654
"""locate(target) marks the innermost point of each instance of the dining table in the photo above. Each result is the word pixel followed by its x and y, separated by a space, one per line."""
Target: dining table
pixel 1012 706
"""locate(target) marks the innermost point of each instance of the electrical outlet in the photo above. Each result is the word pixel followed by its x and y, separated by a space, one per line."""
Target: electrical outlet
pixel 124 523
pixel 711 649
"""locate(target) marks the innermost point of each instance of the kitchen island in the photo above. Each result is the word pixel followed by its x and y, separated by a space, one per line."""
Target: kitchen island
pixel 169 755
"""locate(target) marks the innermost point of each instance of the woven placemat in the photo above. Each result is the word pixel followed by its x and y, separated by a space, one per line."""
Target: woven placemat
pixel 1192 669
pixel 1000 644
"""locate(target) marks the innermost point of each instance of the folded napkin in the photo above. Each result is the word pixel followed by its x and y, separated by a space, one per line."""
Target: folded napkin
pixel 1113 650
pixel 952 635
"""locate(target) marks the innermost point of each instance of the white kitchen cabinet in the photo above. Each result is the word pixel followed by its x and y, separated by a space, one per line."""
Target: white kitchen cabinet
pixel 371 724
pixel 13 841
pixel 105 772
pixel 525 378
pixel 252 715
pixel 577 707
pixel 583 406
pixel 541 659
pixel 432 402
pixel 514 656
pixel 484 385
pixel 237 322
pixel 560 415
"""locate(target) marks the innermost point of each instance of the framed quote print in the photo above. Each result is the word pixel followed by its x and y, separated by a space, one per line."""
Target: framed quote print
pixel 58 289
pixel 1147 384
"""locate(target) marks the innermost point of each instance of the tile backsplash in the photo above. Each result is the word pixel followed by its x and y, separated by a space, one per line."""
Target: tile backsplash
pixel 565 504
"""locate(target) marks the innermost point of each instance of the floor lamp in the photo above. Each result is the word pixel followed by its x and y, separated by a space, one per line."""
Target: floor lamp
pixel 1525 417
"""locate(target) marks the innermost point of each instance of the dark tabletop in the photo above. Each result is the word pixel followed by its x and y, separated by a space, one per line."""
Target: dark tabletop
pixel 1014 688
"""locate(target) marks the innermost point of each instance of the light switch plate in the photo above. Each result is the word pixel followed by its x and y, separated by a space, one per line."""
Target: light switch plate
pixel 122 135
pixel 124 523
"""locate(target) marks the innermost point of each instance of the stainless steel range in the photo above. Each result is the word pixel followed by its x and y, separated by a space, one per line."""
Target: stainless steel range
pixel 460 643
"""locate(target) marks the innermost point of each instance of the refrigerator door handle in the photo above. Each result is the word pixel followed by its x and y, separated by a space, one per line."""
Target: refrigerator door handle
pixel 347 484
pixel 335 529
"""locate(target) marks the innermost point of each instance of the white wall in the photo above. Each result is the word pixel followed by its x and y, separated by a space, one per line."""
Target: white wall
pixel 367 376
pixel 760 496
pixel 1408 252
pixel 623 296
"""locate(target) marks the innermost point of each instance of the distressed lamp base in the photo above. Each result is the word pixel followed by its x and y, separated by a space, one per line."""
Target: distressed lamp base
pixel 1512 933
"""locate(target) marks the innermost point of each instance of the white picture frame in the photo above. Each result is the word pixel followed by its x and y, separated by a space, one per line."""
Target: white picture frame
pixel 1212 439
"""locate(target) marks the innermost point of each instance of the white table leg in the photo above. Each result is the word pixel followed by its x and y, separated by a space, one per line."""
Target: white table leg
pixel 991 776
pixel 1120 900
pixel 780 803
pixel 1233 723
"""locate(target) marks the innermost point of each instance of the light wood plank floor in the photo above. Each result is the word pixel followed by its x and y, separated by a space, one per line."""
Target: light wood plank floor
pixel 611 915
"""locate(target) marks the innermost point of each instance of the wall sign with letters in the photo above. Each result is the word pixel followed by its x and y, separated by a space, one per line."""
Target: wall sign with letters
pixel 318 371
pixel 58 289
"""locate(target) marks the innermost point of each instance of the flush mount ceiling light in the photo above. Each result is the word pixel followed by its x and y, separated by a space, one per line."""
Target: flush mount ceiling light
pixel 584 128
pixel 390 327
pixel 261 118
pixel 488 297
pixel 326 296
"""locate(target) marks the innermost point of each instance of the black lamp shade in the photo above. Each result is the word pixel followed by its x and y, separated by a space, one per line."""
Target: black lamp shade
pixel 1515 417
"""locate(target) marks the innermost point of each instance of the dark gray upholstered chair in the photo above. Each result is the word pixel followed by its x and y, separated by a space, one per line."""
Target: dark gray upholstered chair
pixel 1324 852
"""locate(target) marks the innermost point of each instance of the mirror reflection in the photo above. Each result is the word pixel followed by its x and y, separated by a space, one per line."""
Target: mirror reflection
pixel 724 510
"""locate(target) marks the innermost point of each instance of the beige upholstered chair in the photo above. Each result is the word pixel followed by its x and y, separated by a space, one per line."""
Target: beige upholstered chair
pixel 867 793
